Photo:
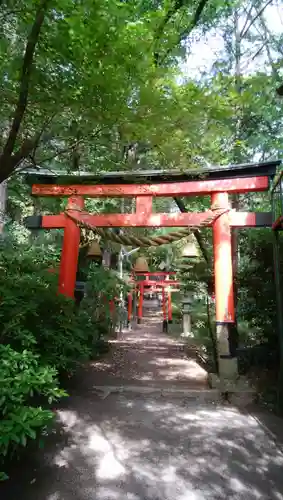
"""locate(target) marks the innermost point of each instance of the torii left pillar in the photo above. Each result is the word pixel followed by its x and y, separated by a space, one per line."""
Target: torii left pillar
pixel 70 250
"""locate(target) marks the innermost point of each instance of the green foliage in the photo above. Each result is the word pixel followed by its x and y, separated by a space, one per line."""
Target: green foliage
pixel 22 379
pixel 103 286
pixel 43 335
pixel 92 86
pixel 256 290
pixel 34 316
pixel 97 98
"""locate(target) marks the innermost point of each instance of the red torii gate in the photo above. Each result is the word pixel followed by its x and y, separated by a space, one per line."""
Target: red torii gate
pixel 166 283
pixel 219 190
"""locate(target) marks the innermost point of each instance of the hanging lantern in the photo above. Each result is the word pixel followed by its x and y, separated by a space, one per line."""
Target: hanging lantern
pixel 94 250
pixel 141 265
pixel 190 249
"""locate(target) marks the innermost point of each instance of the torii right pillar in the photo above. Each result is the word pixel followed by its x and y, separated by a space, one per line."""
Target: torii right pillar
pixel 224 296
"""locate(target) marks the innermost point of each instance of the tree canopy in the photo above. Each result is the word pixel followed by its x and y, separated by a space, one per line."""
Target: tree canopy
pixel 84 81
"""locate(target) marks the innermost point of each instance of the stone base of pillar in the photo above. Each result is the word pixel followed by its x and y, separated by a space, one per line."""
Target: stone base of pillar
pixel 227 365
pixel 165 326
pixel 228 368
pixel 238 392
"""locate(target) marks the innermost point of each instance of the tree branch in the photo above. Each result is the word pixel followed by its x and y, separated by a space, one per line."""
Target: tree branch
pixel 197 16
pixel 10 164
pixel 178 4
pixel 197 234
pixel 259 51
pixel 255 18
pixel 60 152
pixel 25 80
pixel 186 32
pixel 247 19
pixel 267 36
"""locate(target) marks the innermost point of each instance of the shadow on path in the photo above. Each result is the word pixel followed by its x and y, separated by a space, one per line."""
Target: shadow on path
pixel 145 356
pixel 147 447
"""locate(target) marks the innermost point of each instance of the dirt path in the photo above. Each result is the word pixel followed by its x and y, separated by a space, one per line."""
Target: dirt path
pixel 147 357
pixel 150 446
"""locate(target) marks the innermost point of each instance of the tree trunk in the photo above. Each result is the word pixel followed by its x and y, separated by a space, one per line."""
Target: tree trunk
pixel 9 159
pixel 3 199
pixel 237 158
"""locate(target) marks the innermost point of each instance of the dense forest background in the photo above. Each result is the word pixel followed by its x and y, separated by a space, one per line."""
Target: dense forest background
pixel 114 86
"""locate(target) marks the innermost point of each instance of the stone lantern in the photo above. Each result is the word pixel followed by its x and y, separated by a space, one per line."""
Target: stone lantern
pixel 189 253
pixel 186 315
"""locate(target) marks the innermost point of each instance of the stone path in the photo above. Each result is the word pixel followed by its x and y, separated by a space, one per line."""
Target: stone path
pixel 151 446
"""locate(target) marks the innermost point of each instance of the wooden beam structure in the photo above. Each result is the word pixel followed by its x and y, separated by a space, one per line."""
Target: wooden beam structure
pixel 155 273
pixel 156 283
pixel 189 188
pixel 45 221
pixel 147 175
pixel 236 219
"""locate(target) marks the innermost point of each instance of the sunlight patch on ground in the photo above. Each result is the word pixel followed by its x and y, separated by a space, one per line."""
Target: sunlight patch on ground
pixel 68 418
pixel 277 495
pixel 100 365
pixel 170 369
pixel 163 450
pixel 54 496
pixel 109 467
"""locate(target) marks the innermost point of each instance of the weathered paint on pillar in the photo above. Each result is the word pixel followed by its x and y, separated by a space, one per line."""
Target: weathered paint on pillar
pixel 112 308
pixel 224 295
pixel 169 303
pixel 164 310
pixel 140 306
pixel 130 307
pixel 70 251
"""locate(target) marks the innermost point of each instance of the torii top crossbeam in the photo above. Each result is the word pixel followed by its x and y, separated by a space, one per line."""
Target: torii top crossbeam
pixel 147 184
pixel 267 168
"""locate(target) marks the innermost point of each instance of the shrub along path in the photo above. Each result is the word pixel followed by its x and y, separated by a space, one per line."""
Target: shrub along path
pixel 157 439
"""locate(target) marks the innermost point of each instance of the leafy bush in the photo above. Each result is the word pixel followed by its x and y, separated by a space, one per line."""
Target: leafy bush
pixel 103 287
pixel 42 334
pixel 256 288
pixel 33 316
pixel 22 378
